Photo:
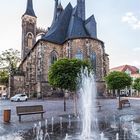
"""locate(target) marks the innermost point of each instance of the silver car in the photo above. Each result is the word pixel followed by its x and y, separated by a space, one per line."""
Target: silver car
pixel 19 97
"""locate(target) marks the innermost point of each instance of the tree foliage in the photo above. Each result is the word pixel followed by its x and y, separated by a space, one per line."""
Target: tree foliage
pixel 136 84
pixel 10 58
pixel 4 77
pixel 64 72
pixel 118 80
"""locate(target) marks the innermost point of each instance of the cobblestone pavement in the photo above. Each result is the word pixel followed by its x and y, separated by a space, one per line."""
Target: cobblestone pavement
pixel 55 108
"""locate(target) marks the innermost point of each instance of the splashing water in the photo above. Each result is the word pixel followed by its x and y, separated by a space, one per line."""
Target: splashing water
pixel 88 110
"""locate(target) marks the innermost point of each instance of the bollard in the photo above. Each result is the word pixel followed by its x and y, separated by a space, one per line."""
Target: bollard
pixel 7 115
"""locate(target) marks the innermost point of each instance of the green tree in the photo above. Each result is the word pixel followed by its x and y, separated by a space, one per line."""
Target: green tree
pixel 10 58
pixel 63 74
pixel 4 77
pixel 136 84
pixel 117 81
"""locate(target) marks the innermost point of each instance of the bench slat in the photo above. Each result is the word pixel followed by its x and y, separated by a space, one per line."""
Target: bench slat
pixel 34 108
pixel 25 113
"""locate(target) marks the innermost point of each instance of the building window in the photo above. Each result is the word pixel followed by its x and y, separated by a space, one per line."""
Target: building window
pixel 128 72
pixel 93 60
pixel 0 88
pixel 68 49
pixel 53 57
pixel 30 40
pixel 79 55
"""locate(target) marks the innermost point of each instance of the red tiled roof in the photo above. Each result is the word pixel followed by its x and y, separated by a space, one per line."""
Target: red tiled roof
pixel 119 68
pixel 123 68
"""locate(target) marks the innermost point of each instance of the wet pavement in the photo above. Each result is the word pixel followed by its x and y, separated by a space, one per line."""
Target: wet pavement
pixel 54 108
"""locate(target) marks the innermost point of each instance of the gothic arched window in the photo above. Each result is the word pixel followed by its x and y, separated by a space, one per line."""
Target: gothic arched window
pixel 30 40
pixel 93 60
pixel 68 50
pixel 79 55
pixel 53 57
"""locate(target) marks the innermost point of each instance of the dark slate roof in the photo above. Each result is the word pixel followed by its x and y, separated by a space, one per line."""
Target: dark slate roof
pixel 76 27
pixel 90 18
pixel 69 26
pixel 90 25
pixel 58 31
pixel 29 9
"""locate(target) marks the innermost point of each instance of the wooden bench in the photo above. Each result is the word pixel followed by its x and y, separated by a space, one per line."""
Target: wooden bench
pixel 28 110
pixel 124 102
pixel 98 105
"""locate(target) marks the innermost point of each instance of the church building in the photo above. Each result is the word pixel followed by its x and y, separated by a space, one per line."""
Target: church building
pixel 71 35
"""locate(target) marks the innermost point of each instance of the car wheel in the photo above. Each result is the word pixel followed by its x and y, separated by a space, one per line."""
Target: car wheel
pixel 26 99
pixel 18 100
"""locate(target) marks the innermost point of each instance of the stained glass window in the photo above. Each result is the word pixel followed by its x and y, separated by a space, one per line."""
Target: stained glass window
pixel 79 55
pixel 53 57
pixel 93 60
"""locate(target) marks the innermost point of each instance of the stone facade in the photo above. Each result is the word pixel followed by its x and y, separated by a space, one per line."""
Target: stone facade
pixel 38 61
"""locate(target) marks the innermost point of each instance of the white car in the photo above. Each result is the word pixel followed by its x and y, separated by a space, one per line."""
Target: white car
pixel 4 96
pixel 19 97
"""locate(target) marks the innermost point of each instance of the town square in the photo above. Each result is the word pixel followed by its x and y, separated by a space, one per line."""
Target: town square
pixel 70 70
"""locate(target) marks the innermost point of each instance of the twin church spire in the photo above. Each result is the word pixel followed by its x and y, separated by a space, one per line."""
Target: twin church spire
pixel 80 9
pixel 58 9
pixel 29 9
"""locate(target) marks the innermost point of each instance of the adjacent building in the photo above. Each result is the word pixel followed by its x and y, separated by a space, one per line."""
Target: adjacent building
pixel 133 71
pixel 3 87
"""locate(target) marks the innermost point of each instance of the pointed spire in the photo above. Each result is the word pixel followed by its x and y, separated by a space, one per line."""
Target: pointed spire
pixel 59 10
pixel 81 9
pixel 60 7
pixel 55 10
pixel 29 9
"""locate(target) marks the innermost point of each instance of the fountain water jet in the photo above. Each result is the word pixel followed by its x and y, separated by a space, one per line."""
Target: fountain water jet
pixel 88 110
pixel 61 123
pixel 117 136
pixel 52 123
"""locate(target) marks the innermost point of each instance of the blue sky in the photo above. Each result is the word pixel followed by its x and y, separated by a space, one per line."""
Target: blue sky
pixel 118 25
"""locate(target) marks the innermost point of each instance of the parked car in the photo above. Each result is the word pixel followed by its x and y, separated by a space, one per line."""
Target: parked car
pixel 4 96
pixel 19 97
pixel 124 94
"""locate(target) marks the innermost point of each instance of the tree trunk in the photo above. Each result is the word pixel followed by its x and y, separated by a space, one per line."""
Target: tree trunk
pixel 64 100
pixel 120 105
pixel 64 103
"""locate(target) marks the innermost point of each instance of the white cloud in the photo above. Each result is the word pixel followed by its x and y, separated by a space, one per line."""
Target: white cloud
pixel 136 49
pixel 132 20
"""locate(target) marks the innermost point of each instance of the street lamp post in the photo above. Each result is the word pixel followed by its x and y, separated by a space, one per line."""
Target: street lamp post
pixel 9 89
pixel 10 75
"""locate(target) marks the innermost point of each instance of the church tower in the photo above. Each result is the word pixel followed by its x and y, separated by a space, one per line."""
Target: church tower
pixel 28 29
pixel 81 9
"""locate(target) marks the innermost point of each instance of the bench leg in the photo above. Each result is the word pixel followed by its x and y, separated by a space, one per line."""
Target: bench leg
pixel 42 115
pixel 19 118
